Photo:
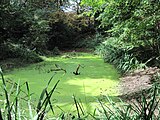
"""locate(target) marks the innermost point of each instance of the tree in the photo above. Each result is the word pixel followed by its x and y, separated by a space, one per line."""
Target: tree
pixel 133 24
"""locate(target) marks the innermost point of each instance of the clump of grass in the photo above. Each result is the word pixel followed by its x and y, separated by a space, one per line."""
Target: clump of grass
pixel 81 113
pixel 8 106
pixel 12 106
pixel 144 108
pixel 44 100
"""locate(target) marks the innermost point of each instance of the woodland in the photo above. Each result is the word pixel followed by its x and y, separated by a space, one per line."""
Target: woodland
pixel 79 59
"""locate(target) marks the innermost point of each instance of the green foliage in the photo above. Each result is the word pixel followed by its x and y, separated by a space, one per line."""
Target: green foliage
pixel 133 23
pixel 10 50
pixel 118 53
pixel 67 29
pixel 91 42
pixel 39 26
pixel 156 78
pixel 56 51
pixel 25 25
pixel 93 5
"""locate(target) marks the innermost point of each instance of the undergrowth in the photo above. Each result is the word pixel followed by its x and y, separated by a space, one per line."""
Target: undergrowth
pixel 10 50
pixel 125 56
pixel 90 42
pixel 144 108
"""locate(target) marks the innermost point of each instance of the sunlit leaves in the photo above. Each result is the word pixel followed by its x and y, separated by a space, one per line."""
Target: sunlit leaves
pixel 93 3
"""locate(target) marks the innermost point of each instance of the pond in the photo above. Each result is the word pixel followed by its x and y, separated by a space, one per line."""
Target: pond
pixel 96 79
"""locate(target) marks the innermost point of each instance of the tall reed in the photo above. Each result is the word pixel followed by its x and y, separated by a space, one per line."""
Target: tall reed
pixel 12 105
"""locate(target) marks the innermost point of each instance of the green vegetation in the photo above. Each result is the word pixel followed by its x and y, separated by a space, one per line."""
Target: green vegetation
pixel 40 27
pixel 92 82
pixel 132 32
pixel 35 34
pixel 145 108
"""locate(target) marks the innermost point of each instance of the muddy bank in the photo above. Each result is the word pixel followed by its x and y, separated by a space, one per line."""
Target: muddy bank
pixel 133 83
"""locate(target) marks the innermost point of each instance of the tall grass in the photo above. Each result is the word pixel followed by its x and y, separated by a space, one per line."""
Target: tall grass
pixel 120 54
pixel 8 106
pixel 144 108
pixel 12 106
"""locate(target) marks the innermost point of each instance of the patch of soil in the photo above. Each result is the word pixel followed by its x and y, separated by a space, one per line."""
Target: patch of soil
pixel 133 83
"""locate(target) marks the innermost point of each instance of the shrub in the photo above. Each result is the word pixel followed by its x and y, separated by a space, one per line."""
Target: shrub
pixel 91 42
pixel 67 29
pixel 25 25
pixel 10 50
pixel 118 53
pixel 56 51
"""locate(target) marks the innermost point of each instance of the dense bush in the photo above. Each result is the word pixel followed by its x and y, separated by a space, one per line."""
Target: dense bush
pixel 91 41
pixel 10 50
pixel 116 52
pixel 56 51
pixel 24 25
pixel 67 29
pixel 23 28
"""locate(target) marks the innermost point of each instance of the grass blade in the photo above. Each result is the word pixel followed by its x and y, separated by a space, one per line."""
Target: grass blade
pixel 46 101
pixel 153 103
pixel 39 105
pixel 47 95
pixel 6 96
pixel 81 106
pixel 29 100
pixel 1 118
pixel 75 101
pixel 105 112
